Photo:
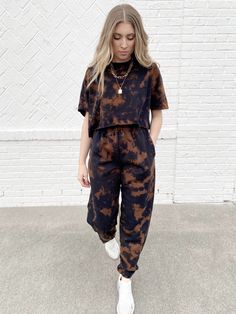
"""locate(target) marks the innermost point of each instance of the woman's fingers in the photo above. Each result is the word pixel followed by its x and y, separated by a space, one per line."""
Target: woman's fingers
pixel 86 180
pixel 83 176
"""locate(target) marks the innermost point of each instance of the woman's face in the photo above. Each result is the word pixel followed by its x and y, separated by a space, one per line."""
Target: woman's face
pixel 123 40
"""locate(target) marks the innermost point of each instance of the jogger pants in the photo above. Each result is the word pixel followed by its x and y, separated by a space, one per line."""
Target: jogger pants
pixel 121 159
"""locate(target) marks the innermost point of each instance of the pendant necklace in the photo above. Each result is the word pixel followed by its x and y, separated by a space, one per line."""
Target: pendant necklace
pixel 121 76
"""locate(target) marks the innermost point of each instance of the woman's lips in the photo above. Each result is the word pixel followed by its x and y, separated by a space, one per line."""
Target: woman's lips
pixel 123 52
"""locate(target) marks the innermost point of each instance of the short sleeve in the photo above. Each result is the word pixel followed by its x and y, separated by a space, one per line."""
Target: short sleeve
pixel 84 99
pixel 158 95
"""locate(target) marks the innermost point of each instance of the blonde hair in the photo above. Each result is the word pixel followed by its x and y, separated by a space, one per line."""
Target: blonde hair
pixel 104 51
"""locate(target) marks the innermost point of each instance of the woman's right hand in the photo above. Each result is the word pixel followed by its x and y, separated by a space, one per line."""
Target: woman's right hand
pixel 83 176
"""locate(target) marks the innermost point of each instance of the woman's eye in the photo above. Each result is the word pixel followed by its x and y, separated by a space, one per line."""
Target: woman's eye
pixel 117 38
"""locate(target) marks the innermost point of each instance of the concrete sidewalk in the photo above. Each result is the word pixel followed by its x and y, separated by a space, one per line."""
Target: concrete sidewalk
pixel 52 262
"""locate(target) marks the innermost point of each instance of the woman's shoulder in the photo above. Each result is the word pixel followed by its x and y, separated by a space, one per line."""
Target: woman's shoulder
pixel 89 70
pixel 88 74
pixel 154 66
pixel 154 69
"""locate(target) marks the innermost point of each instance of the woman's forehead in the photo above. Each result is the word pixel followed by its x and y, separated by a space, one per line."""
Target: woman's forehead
pixel 124 26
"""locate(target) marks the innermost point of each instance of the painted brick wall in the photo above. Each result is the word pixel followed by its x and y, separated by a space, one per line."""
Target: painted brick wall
pixel 206 113
pixel 45 48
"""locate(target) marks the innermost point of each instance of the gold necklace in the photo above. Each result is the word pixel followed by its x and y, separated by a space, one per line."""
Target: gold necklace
pixel 121 76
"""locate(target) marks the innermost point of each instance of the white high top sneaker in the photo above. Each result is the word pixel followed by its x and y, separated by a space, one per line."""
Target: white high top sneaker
pixel 112 248
pixel 126 301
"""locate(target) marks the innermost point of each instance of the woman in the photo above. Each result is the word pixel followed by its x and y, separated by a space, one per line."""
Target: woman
pixel 120 88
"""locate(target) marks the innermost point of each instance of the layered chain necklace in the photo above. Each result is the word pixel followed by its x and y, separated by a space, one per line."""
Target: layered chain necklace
pixel 121 76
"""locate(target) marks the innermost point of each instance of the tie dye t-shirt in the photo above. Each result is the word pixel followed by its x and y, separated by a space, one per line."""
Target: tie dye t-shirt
pixel 142 91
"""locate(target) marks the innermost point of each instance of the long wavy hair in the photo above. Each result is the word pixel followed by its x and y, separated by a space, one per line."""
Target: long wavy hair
pixel 104 51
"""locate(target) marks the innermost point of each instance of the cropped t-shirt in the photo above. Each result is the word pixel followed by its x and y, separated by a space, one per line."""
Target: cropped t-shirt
pixel 142 90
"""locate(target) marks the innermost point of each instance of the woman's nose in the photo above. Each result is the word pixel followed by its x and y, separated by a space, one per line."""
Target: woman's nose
pixel 124 43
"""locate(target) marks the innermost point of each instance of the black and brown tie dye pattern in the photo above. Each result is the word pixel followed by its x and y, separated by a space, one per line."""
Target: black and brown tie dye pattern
pixel 143 90
pixel 121 156
pixel 121 159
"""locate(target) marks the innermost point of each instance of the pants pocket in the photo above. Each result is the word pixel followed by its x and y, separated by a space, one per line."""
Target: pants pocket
pixel 151 142
pixel 148 140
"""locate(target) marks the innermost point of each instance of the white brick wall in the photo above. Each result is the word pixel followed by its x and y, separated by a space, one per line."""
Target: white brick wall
pixel 206 113
pixel 44 50
pixel 40 169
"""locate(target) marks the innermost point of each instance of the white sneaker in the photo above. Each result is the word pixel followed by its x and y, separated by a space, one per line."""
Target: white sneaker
pixel 112 248
pixel 126 301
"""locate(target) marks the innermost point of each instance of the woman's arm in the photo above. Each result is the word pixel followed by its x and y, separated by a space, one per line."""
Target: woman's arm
pixel 156 124
pixel 85 143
